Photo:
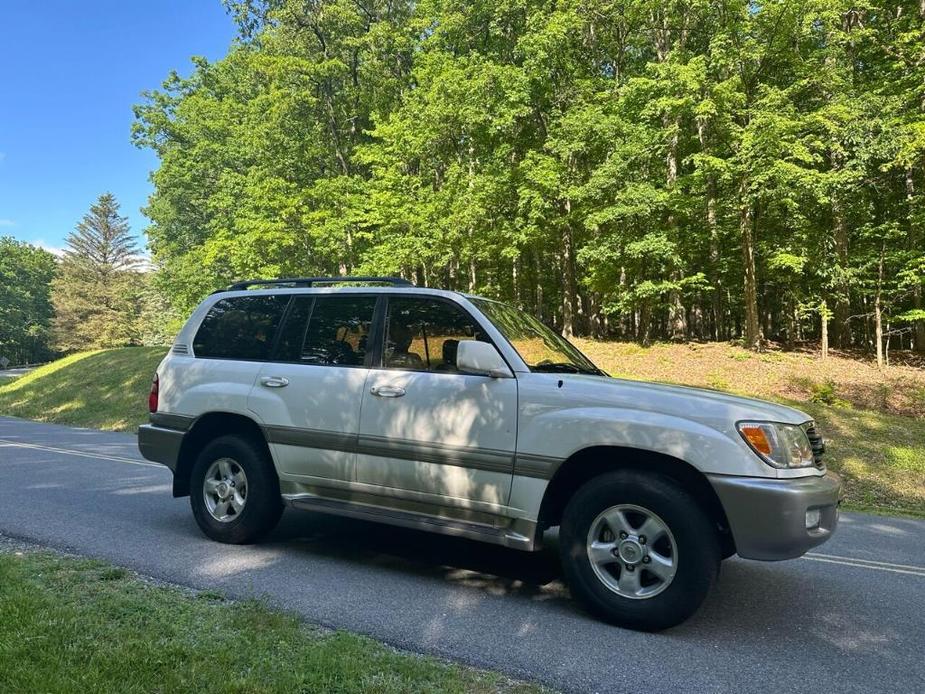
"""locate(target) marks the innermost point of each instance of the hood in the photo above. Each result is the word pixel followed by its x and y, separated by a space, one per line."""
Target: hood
pixel 716 409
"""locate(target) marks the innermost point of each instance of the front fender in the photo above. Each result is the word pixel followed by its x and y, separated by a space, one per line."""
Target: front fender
pixel 549 436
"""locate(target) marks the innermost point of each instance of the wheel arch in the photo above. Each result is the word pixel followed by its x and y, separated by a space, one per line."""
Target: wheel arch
pixel 206 428
pixel 593 461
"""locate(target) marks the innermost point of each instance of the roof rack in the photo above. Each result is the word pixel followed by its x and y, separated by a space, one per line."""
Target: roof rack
pixel 311 281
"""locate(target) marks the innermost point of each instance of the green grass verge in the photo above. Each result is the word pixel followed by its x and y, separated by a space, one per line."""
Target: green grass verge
pixel 880 457
pixel 72 625
pixel 105 389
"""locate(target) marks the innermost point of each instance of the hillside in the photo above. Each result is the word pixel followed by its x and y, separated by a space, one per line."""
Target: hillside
pixel 874 421
pixel 104 389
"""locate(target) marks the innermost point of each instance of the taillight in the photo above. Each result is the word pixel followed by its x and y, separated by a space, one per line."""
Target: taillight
pixel 152 396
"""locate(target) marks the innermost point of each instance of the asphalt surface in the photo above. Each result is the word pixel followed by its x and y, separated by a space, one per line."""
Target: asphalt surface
pixel 850 618
pixel 18 371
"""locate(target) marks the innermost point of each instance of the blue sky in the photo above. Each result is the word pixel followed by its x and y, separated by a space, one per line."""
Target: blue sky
pixel 70 72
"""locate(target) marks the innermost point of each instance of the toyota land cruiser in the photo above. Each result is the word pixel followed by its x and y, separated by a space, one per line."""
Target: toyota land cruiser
pixel 461 415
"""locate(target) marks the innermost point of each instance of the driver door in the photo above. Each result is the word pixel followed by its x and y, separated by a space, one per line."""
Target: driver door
pixel 424 426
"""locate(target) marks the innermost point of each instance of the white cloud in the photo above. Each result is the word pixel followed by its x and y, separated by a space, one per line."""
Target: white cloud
pixel 7 223
pixel 54 250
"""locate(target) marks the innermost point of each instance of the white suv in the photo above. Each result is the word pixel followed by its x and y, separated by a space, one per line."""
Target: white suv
pixel 461 415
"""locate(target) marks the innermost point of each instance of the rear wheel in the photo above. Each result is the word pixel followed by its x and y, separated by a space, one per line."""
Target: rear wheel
pixel 637 550
pixel 234 491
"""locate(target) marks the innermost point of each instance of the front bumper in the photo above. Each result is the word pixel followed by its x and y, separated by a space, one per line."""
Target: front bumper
pixel 767 517
pixel 160 445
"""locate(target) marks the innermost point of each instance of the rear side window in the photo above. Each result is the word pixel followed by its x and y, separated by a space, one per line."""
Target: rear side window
pixel 242 327
pixel 329 330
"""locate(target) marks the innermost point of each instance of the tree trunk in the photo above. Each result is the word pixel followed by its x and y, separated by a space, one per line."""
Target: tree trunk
pixel 594 315
pixel 878 313
pixel 569 289
pixel 824 323
pixel 752 326
pixel 878 329
pixel 717 292
pixel 644 325
pixel 515 281
pixel 842 300
pixel 919 326
pixel 677 315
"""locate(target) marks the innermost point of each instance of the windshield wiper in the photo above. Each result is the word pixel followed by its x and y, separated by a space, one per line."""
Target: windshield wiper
pixel 565 367
pixel 559 367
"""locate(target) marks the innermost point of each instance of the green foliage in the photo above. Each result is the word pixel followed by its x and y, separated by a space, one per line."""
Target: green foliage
pixel 615 167
pixel 25 304
pixel 824 393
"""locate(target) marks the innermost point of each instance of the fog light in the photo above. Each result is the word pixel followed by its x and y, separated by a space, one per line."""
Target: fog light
pixel 813 518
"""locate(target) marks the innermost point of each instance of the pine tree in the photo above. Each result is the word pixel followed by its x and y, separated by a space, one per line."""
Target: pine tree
pixel 97 292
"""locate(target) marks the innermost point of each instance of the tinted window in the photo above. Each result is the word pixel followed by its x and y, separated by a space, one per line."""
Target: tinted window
pixel 240 328
pixel 292 334
pixel 336 333
pixel 423 334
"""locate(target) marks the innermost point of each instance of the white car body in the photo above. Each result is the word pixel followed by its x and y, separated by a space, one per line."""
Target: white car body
pixel 480 456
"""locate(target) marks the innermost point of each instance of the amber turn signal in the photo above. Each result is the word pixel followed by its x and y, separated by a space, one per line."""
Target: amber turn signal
pixel 757 438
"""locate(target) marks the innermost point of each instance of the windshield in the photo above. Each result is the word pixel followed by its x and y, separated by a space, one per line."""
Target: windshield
pixel 543 349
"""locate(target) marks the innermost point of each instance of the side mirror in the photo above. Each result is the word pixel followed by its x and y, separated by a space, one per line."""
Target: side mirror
pixel 481 359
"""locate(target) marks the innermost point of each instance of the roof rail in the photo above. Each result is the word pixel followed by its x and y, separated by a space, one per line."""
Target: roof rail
pixel 311 281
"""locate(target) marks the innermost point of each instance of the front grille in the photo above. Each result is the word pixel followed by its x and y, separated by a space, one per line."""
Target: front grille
pixel 817 443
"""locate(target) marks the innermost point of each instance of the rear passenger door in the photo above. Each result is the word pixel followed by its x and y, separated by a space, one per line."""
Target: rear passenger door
pixel 427 428
pixel 309 395
pixel 229 349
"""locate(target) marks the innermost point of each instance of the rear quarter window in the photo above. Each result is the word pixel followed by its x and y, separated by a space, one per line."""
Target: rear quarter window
pixel 242 327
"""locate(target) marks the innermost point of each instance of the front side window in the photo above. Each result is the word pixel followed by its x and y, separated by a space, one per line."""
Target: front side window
pixel 327 330
pixel 424 334
pixel 241 327
pixel 541 348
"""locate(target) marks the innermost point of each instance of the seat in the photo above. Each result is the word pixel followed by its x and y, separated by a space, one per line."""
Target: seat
pixel 450 347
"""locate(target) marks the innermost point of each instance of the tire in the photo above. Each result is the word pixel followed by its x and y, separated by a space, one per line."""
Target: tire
pixel 687 564
pixel 262 505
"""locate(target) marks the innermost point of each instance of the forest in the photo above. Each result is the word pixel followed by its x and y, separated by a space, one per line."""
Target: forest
pixel 634 169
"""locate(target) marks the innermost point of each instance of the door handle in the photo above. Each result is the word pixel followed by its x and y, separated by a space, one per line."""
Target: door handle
pixel 274 381
pixel 387 391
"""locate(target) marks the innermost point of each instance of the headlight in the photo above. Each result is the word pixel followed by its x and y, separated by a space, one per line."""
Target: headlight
pixel 780 445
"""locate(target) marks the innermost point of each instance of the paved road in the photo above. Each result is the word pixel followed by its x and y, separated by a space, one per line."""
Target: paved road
pixel 18 371
pixel 850 619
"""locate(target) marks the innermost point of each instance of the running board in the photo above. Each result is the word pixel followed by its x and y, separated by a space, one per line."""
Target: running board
pixel 409 519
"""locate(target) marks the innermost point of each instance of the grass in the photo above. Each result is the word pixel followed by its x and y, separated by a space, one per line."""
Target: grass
pixel 875 420
pixel 69 624
pixel 104 389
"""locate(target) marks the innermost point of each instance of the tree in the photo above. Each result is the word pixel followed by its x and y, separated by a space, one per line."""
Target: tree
pixel 639 169
pixel 25 304
pixel 97 293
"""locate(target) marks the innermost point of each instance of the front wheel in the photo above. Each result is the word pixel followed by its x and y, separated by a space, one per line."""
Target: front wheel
pixel 637 550
pixel 234 491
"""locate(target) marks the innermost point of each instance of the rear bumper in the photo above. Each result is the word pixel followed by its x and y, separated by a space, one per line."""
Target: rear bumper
pixel 160 445
pixel 767 517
